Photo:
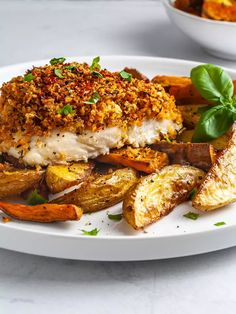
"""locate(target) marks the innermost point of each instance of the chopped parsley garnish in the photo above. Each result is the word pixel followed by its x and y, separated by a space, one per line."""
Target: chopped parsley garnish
pixel 58 73
pixel 93 99
pixel 191 215
pixel 166 138
pixel 95 64
pixel 98 74
pixel 192 193
pixel 28 77
pixel 115 217
pixel 220 223
pixel 35 198
pixel 55 61
pixel 93 232
pixel 70 67
pixel 67 109
pixel 126 76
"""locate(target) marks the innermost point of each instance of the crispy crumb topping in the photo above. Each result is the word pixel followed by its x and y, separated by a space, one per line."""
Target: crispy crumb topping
pixel 34 104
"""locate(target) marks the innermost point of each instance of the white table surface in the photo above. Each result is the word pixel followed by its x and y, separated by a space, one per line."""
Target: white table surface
pixel 31 30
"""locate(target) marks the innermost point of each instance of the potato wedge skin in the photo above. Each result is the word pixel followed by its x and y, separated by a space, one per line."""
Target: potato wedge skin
pixel 218 143
pixel 142 159
pixel 136 74
pixel 158 193
pixel 61 177
pixel 43 212
pixel 16 182
pixel 167 81
pixel 200 155
pixel 101 191
pixel 182 88
pixel 219 11
pixel 5 166
pixel 190 115
pixel 219 186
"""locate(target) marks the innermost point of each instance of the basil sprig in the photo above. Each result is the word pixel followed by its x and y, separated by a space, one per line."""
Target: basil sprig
pixel 216 86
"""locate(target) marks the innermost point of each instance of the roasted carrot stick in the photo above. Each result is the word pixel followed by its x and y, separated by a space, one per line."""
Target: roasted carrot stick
pixel 142 159
pixel 42 212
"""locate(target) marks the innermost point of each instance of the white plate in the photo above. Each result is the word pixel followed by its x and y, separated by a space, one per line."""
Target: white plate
pixel 173 236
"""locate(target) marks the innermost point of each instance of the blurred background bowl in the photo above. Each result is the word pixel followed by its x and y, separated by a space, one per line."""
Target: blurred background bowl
pixel 216 37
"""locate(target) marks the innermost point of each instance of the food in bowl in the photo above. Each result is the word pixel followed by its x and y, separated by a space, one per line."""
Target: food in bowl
pixel 77 139
pixel 219 10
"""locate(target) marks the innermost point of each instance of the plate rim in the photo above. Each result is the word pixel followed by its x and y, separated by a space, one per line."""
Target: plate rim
pixel 131 57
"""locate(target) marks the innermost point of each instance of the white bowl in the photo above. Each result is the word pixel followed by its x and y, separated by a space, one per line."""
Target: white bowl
pixel 216 37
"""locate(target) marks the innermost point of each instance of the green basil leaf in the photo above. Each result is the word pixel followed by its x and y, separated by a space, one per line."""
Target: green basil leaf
pixel 167 139
pixel 28 77
pixel 193 193
pixel 191 215
pixel 213 123
pixel 93 232
pixel 126 76
pixel 220 223
pixel 57 60
pixel 95 64
pixel 115 217
pixel 35 198
pixel 67 109
pixel 98 74
pixel 70 67
pixel 212 82
pixel 234 101
pixel 203 109
pixel 58 73
pixel 93 99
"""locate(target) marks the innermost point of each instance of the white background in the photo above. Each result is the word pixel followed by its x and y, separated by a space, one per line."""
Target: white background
pixel 35 29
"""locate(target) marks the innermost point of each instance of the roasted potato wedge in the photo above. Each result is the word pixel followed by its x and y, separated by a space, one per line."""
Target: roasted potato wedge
pixel 18 181
pixel 136 74
pixel 219 10
pixel 61 177
pixel 101 191
pixel 41 188
pixel 190 115
pixel 167 81
pixel 190 6
pixel 188 94
pixel 158 193
pixel 13 161
pixel 219 143
pixel 219 186
pixel 43 212
pixel 185 136
pixel 200 155
pixel 5 166
pixel 141 159
pixel 182 88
